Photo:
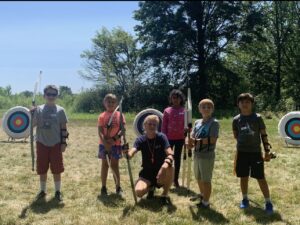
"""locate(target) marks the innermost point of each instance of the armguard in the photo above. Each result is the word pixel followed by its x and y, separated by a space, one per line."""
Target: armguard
pixel 64 134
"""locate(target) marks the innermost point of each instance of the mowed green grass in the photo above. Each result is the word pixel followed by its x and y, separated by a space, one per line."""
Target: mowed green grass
pixel 81 186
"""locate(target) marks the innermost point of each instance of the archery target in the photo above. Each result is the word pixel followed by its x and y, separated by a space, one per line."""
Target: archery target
pixel 16 122
pixel 140 117
pixel 289 128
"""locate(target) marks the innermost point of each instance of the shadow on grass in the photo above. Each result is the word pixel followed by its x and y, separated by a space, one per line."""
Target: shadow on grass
pixel 261 217
pixel 14 142
pixel 111 200
pixel 41 206
pixel 183 191
pixel 291 146
pixel 127 211
pixel 155 205
pixel 209 214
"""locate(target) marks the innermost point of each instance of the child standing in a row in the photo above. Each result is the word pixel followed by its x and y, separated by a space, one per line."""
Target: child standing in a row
pixel 204 138
pixel 249 129
pixel 173 127
pixel 109 142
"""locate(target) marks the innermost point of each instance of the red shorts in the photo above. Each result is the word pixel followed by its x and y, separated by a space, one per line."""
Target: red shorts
pixel 49 156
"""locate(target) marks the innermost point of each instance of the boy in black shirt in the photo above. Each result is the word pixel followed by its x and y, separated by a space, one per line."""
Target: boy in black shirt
pixel 248 129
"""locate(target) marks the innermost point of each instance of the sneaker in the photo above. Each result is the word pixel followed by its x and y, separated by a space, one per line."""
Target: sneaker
pixel 58 196
pixel 151 193
pixel 40 195
pixel 165 200
pixel 103 190
pixel 119 191
pixel 244 203
pixel 202 205
pixel 269 207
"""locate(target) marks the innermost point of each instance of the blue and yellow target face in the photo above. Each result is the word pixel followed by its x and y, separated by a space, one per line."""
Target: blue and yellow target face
pixel 292 128
pixel 18 122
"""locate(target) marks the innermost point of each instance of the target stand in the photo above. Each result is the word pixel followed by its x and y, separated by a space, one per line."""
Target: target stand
pixel 289 128
pixel 16 123
pixel 141 116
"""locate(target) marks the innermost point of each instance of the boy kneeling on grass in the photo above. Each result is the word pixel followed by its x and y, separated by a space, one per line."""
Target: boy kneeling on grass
pixel 51 134
pixel 204 139
pixel 248 129
pixel 157 161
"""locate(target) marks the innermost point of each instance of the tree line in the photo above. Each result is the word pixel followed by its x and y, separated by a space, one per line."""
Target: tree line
pixel 218 48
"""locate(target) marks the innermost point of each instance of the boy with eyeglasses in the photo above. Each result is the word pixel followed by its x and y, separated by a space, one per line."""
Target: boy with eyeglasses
pixel 51 134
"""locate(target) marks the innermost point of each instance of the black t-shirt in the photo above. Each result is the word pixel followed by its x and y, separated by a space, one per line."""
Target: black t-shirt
pixel 153 150
pixel 248 132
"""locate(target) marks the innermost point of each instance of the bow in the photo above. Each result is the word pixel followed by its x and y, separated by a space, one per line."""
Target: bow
pixel 31 121
pixel 125 146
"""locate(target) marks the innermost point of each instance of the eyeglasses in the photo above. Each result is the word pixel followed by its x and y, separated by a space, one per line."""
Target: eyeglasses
pixel 51 94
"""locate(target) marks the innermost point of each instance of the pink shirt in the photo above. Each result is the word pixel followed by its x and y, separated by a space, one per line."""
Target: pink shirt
pixel 173 123
pixel 103 120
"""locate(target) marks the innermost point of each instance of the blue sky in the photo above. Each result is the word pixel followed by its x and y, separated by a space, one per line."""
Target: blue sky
pixel 50 36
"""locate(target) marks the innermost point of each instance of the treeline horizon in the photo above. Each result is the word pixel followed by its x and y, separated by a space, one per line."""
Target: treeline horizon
pixel 217 48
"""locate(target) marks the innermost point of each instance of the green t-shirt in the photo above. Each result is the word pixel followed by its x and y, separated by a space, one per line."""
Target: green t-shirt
pixel 248 132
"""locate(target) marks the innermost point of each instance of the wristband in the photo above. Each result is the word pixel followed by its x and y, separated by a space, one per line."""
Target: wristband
pixel 170 164
pixel 171 159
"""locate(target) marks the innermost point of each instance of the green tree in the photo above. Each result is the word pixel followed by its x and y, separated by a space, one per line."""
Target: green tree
pixel 64 91
pixel 5 91
pixel 114 60
pixel 189 36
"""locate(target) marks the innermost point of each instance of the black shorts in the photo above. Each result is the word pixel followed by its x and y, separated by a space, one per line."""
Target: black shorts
pixel 150 175
pixel 250 164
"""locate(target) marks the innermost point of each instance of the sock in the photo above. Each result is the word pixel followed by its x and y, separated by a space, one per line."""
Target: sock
pixel 57 185
pixel 267 200
pixel 205 203
pixel 245 196
pixel 43 186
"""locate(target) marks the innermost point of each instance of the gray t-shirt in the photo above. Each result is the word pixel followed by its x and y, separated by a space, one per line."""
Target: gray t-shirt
pixel 48 120
pixel 205 129
pixel 248 132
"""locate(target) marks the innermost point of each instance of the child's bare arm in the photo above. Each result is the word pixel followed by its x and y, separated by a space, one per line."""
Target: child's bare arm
pixel 100 133
pixel 234 134
pixel 265 140
pixel 131 152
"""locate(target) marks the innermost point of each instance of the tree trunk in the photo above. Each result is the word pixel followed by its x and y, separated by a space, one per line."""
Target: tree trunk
pixel 201 75
pixel 278 51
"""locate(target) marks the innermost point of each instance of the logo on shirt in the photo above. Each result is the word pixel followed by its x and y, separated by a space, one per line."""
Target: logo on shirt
pixel 246 129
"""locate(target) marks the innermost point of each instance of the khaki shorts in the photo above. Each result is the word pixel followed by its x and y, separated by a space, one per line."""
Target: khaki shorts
pixel 203 169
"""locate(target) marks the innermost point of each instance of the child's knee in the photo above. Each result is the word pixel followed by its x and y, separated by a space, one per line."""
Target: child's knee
pixel 139 192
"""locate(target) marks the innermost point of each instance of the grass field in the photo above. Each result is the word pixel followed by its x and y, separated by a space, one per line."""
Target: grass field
pixel 81 186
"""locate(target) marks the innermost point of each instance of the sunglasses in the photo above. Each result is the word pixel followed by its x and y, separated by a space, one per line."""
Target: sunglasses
pixel 51 95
